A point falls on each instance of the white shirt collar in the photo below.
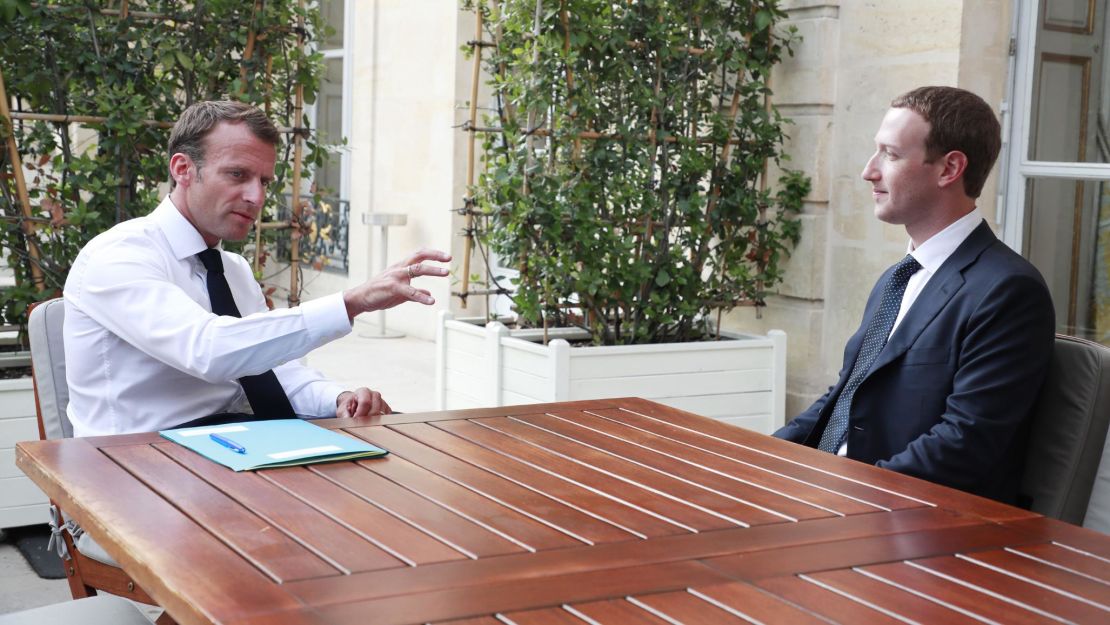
(182, 236)
(933, 252)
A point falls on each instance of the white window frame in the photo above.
(1017, 166)
(348, 75)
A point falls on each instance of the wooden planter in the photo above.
(741, 381)
(21, 502)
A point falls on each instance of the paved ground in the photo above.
(402, 369)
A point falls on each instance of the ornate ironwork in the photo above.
(324, 233)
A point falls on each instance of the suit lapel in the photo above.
(935, 296)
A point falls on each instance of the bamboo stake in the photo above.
(294, 240)
(78, 119)
(122, 12)
(248, 52)
(570, 77)
(593, 134)
(475, 75)
(530, 141)
(93, 119)
(21, 189)
(510, 114)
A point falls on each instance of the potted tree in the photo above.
(626, 181)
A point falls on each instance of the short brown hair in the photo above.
(958, 120)
(187, 136)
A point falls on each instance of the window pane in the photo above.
(1071, 90)
(329, 122)
(332, 12)
(1067, 237)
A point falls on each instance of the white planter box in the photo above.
(21, 502)
(740, 381)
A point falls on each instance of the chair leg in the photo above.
(77, 588)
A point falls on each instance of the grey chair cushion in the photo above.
(1098, 510)
(44, 329)
(1069, 430)
(99, 610)
(91, 549)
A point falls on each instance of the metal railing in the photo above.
(325, 236)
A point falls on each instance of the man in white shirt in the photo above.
(144, 351)
(940, 379)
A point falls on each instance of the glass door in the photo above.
(1057, 197)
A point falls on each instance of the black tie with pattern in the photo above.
(264, 392)
(873, 341)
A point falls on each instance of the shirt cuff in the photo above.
(328, 396)
(326, 318)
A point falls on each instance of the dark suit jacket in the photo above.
(950, 396)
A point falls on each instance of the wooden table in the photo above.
(609, 511)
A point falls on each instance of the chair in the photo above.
(102, 610)
(1067, 466)
(88, 567)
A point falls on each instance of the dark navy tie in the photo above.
(878, 330)
(264, 392)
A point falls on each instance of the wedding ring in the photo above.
(411, 273)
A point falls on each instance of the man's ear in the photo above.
(954, 164)
(182, 169)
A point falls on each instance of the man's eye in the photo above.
(266, 182)
(235, 173)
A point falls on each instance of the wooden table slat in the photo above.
(492, 598)
(377, 526)
(520, 528)
(267, 547)
(687, 609)
(558, 488)
(935, 535)
(883, 596)
(742, 473)
(756, 605)
(748, 452)
(1020, 592)
(723, 511)
(823, 602)
(1044, 574)
(646, 500)
(546, 616)
(536, 505)
(440, 523)
(311, 528)
(873, 476)
(1066, 534)
(615, 612)
(940, 589)
(652, 452)
(1067, 558)
(478, 620)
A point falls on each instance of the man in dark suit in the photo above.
(941, 377)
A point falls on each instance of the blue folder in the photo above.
(271, 443)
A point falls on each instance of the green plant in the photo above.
(627, 182)
(68, 57)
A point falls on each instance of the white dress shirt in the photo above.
(145, 352)
(930, 255)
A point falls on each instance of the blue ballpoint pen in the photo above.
(227, 442)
